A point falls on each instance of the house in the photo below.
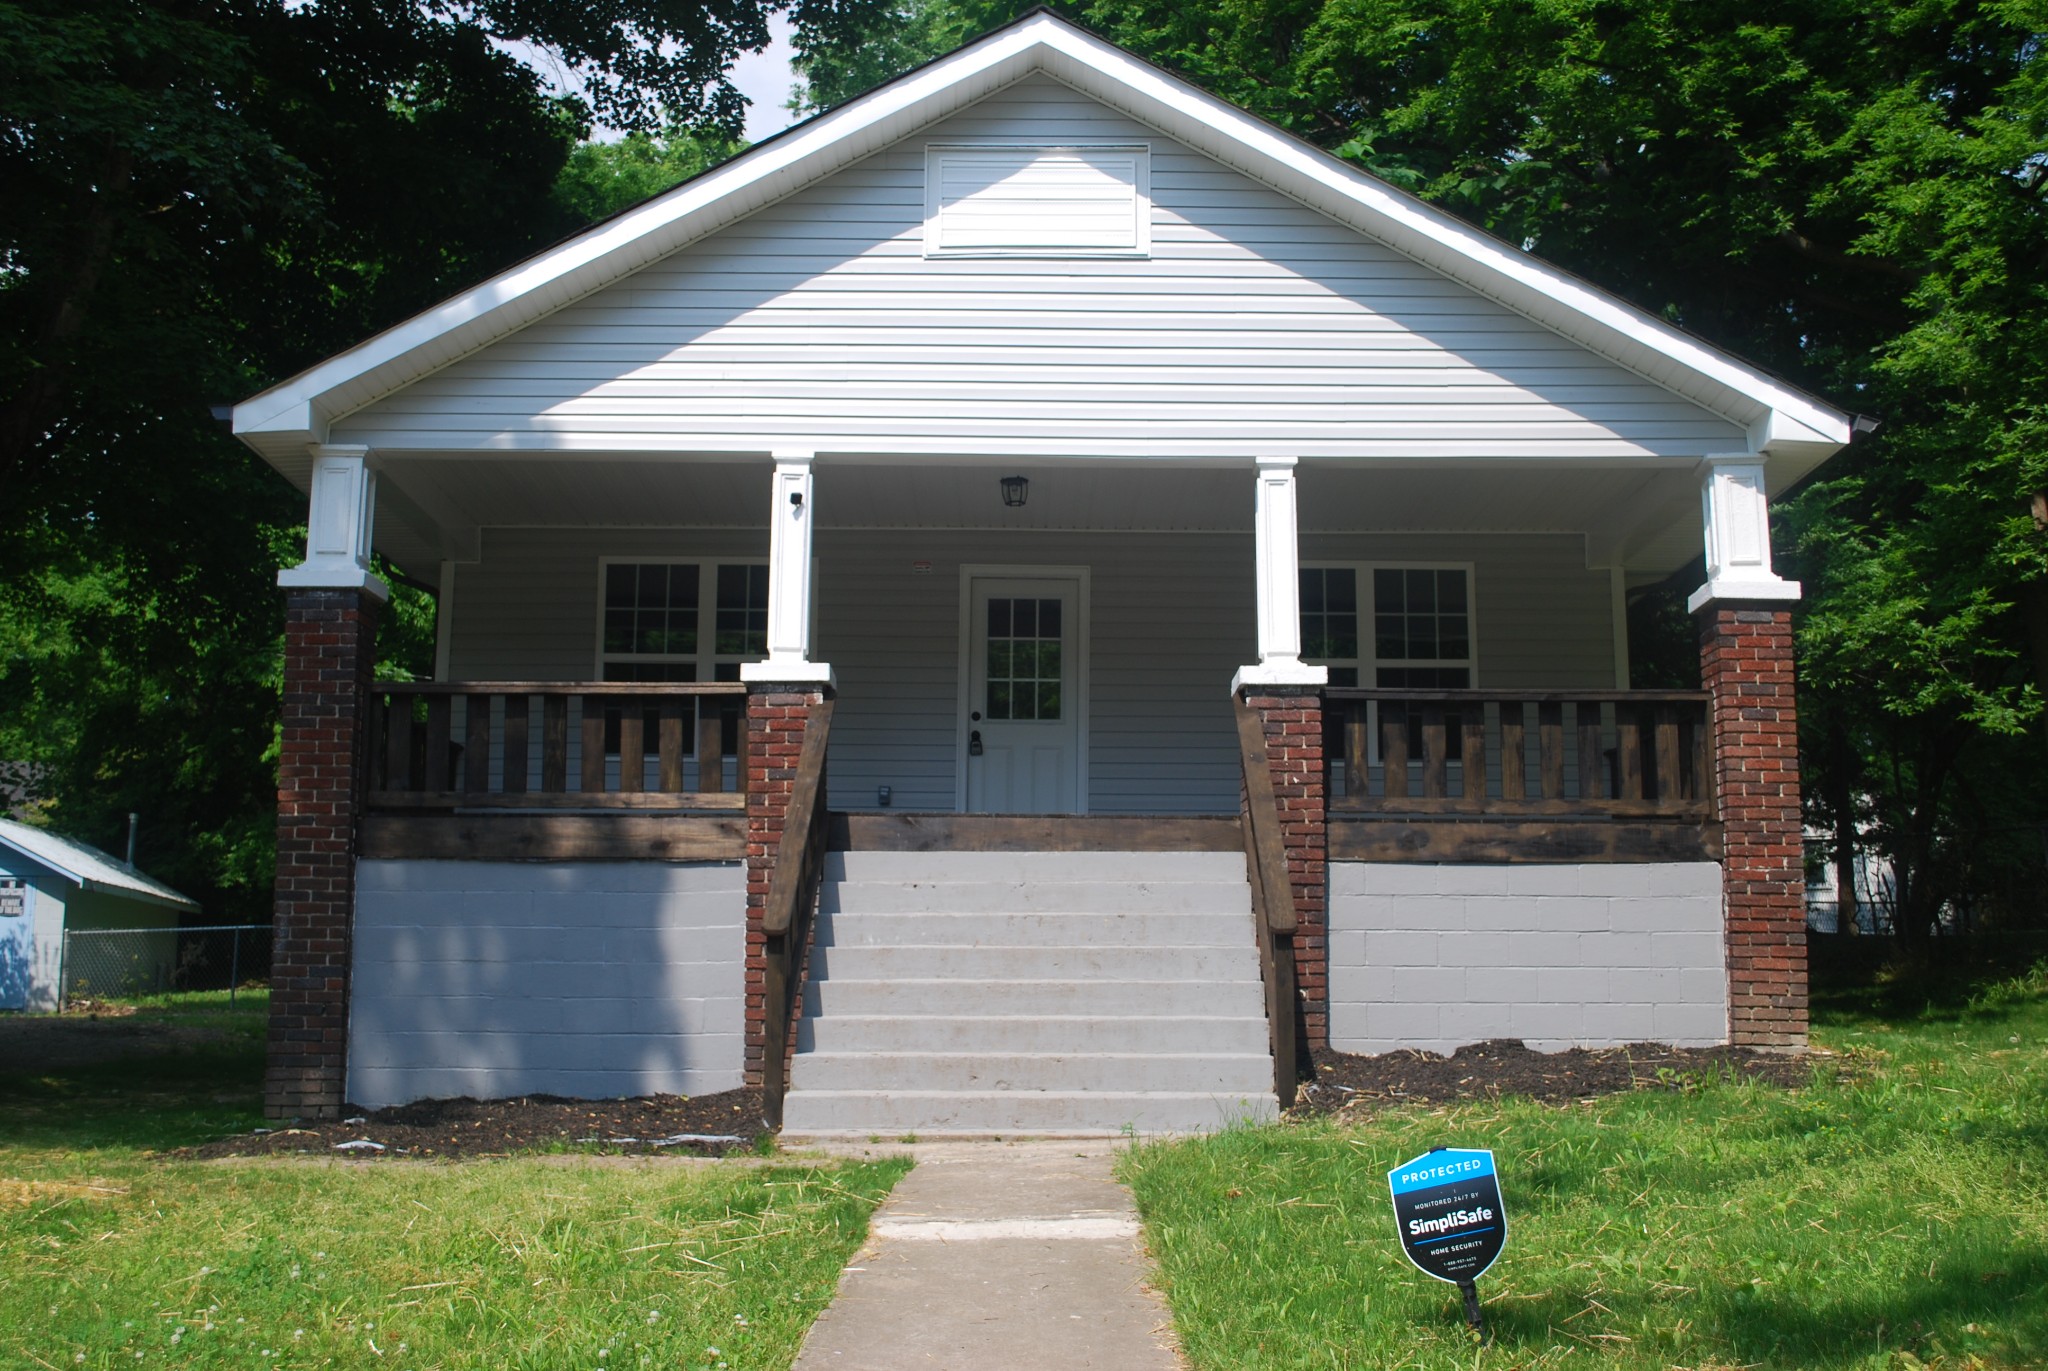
(51, 887)
(1197, 566)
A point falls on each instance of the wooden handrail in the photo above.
(1273, 915)
(792, 900)
(1339, 694)
(561, 688)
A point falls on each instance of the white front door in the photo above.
(1025, 685)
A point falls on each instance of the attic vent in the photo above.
(985, 200)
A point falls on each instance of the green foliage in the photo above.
(601, 179)
(201, 199)
(1888, 1216)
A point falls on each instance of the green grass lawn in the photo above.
(1894, 1218)
(111, 1256)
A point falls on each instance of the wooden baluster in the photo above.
(710, 748)
(1472, 757)
(1357, 768)
(593, 743)
(1550, 748)
(436, 760)
(373, 748)
(398, 742)
(515, 744)
(741, 760)
(1435, 762)
(1669, 789)
(1514, 777)
(670, 743)
(1592, 760)
(1628, 737)
(554, 744)
(1703, 761)
(632, 746)
(476, 744)
(1394, 750)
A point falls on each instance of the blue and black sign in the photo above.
(1447, 1206)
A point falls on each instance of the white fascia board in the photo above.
(1566, 305)
(131, 892)
(305, 404)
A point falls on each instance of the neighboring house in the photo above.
(1052, 454)
(50, 886)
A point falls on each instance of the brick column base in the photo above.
(777, 716)
(329, 654)
(1746, 667)
(1293, 722)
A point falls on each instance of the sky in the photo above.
(763, 77)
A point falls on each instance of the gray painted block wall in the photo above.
(1435, 957)
(592, 980)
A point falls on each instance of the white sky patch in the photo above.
(764, 77)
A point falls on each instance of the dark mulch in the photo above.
(702, 1125)
(1489, 1070)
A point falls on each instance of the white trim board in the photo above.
(1796, 429)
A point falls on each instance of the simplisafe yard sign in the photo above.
(1452, 1223)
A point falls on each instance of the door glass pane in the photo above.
(1023, 658)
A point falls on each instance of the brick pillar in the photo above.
(1293, 721)
(330, 650)
(777, 716)
(1746, 667)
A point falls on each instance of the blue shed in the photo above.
(50, 885)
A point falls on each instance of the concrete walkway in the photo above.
(994, 1256)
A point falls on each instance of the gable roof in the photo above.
(1797, 430)
(87, 867)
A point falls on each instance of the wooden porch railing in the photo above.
(792, 902)
(1519, 753)
(1272, 902)
(474, 745)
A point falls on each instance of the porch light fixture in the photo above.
(1015, 489)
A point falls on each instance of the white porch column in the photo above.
(1276, 553)
(789, 578)
(338, 524)
(1737, 523)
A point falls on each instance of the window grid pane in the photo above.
(1023, 666)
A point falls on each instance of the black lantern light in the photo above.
(1015, 489)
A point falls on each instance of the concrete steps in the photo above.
(1070, 994)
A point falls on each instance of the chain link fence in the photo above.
(128, 963)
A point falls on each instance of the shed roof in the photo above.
(88, 867)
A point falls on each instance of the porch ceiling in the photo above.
(1643, 516)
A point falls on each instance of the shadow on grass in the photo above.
(1760, 1326)
(150, 1081)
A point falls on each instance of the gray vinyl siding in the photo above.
(1256, 325)
(1172, 617)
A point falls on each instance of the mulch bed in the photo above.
(664, 1125)
(1486, 1071)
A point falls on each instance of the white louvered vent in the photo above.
(1011, 201)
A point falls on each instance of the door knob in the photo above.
(974, 743)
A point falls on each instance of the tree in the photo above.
(203, 196)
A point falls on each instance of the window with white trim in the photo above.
(1008, 200)
(680, 621)
(1393, 627)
